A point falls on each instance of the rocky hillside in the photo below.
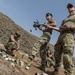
(7, 66)
(17, 65)
(8, 27)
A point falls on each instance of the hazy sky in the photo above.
(25, 12)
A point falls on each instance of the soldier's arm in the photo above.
(53, 24)
(65, 28)
(13, 39)
(68, 28)
(55, 28)
(61, 29)
(72, 28)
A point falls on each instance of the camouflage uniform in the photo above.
(50, 60)
(47, 61)
(42, 43)
(10, 46)
(65, 45)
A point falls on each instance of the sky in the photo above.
(25, 12)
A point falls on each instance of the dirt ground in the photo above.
(7, 69)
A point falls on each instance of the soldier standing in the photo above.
(65, 43)
(45, 38)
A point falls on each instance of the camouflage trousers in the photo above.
(48, 62)
(67, 58)
(11, 46)
(41, 44)
(45, 60)
(40, 47)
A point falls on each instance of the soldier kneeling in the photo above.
(47, 59)
(13, 44)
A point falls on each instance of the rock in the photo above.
(18, 61)
(27, 67)
(21, 63)
(13, 60)
(2, 46)
(9, 58)
(37, 74)
(13, 65)
(26, 55)
(37, 59)
(44, 73)
(6, 58)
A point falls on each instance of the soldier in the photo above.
(45, 38)
(50, 59)
(13, 43)
(65, 43)
(47, 58)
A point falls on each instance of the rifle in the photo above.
(37, 24)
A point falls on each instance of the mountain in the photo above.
(8, 27)
(17, 65)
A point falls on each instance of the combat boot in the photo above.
(43, 68)
(10, 53)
